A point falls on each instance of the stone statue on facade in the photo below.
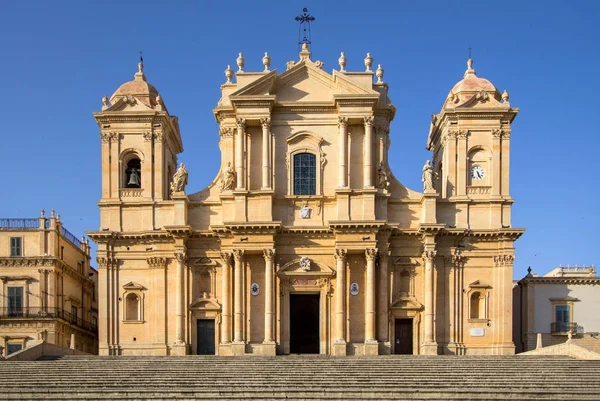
(304, 263)
(228, 178)
(180, 179)
(427, 177)
(382, 178)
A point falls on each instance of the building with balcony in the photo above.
(48, 288)
(562, 303)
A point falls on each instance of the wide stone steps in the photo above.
(301, 378)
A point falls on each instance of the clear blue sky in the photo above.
(60, 57)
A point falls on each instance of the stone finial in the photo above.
(266, 60)
(379, 74)
(228, 74)
(470, 70)
(240, 63)
(539, 344)
(52, 213)
(141, 67)
(43, 213)
(505, 96)
(342, 61)
(58, 217)
(305, 53)
(368, 62)
(104, 102)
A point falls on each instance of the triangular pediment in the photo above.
(305, 266)
(132, 285)
(304, 82)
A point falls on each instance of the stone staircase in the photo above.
(301, 378)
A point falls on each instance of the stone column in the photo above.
(43, 291)
(339, 346)
(179, 300)
(343, 153)
(239, 153)
(371, 346)
(383, 297)
(115, 164)
(449, 164)
(462, 163)
(496, 176)
(505, 163)
(368, 153)
(226, 299)
(266, 167)
(269, 255)
(429, 345)
(106, 167)
(238, 330)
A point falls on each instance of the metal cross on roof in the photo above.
(304, 30)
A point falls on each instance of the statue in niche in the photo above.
(304, 263)
(427, 177)
(305, 212)
(382, 179)
(228, 178)
(180, 179)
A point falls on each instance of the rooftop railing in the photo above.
(20, 223)
(70, 237)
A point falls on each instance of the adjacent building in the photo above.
(560, 304)
(305, 242)
(48, 289)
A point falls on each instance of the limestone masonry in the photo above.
(305, 242)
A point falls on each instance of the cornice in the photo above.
(143, 237)
(357, 224)
(28, 261)
(561, 280)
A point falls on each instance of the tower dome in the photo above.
(139, 87)
(468, 87)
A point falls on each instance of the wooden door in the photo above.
(403, 340)
(205, 333)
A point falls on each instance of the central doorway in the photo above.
(205, 332)
(403, 343)
(304, 323)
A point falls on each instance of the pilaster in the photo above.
(371, 344)
(269, 343)
(339, 344)
(239, 344)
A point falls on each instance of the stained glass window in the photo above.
(305, 174)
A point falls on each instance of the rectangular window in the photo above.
(15, 246)
(563, 318)
(305, 174)
(15, 301)
(12, 348)
(74, 314)
(80, 267)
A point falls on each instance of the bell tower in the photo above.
(140, 144)
(470, 141)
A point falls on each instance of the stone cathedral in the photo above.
(305, 242)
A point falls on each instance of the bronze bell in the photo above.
(134, 179)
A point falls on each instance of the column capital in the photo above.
(342, 122)
(382, 128)
(461, 134)
(238, 255)
(265, 122)
(180, 256)
(504, 260)
(227, 258)
(371, 254)
(505, 133)
(368, 121)
(340, 254)
(241, 123)
(156, 262)
(429, 255)
(496, 133)
(269, 254)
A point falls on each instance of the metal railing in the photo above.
(70, 237)
(20, 223)
(561, 327)
(53, 313)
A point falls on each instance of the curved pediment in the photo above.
(305, 266)
(407, 304)
(205, 304)
(132, 285)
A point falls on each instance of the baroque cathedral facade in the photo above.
(305, 242)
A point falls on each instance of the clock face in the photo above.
(477, 172)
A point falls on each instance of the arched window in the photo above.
(132, 308)
(133, 173)
(476, 304)
(305, 174)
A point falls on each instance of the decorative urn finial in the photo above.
(379, 74)
(104, 102)
(240, 63)
(368, 62)
(342, 62)
(228, 74)
(43, 213)
(141, 67)
(505, 96)
(266, 60)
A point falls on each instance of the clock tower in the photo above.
(470, 141)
